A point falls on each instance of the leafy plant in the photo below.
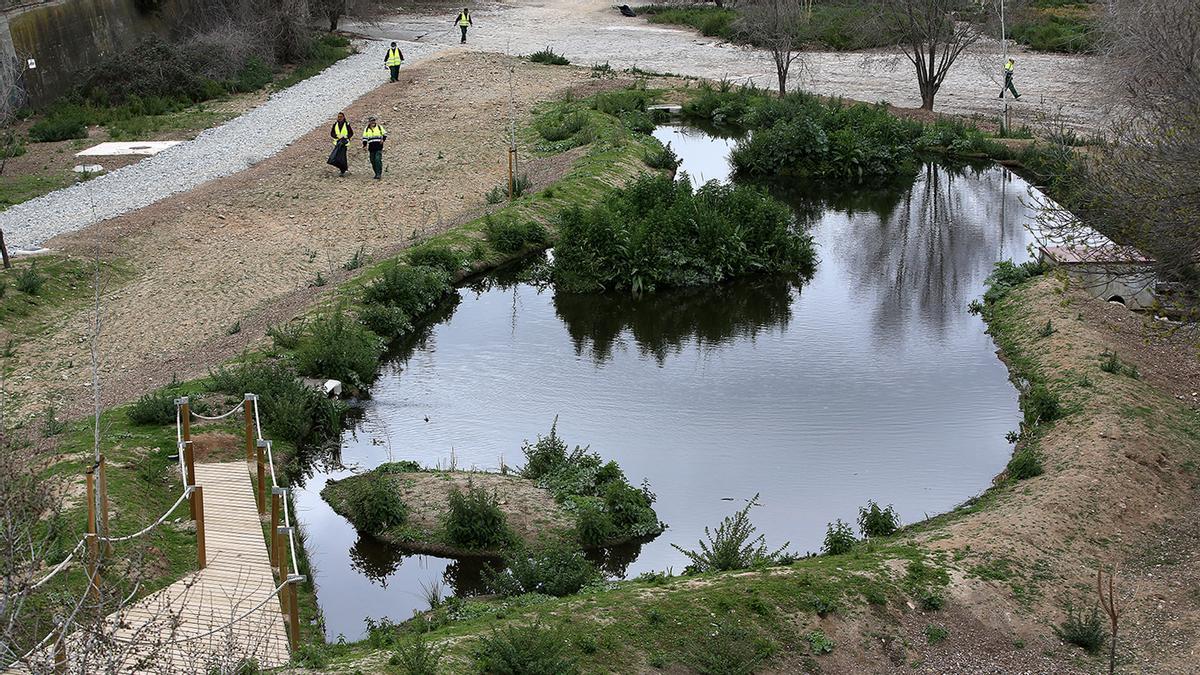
(291, 411)
(523, 650)
(156, 408)
(874, 521)
(556, 570)
(733, 546)
(438, 257)
(357, 260)
(839, 538)
(234, 329)
(475, 521)
(287, 335)
(511, 236)
(1040, 405)
(730, 649)
(935, 634)
(339, 348)
(51, 425)
(1083, 629)
(416, 657)
(1025, 463)
(663, 158)
(548, 57)
(1047, 330)
(818, 642)
(1111, 363)
(374, 506)
(495, 195)
(29, 280)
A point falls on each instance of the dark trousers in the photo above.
(377, 161)
(1008, 86)
(464, 32)
(395, 72)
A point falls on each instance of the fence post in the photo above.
(248, 413)
(261, 491)
(93, 545)
(185, 417)
(293, 614)
(103, 486)
(198, 504)
(189, 460)
(275, 526)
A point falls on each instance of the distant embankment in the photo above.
(64, 36)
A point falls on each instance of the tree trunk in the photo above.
(783, 75)
(926, 99)
(4, 252)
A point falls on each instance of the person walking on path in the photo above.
(341, 132)
(464, 20)
(1009, 66)
(372, 139)
(394, 58)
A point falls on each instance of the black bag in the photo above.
(626, 11)
(337, 158)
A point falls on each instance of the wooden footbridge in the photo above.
(240, 604)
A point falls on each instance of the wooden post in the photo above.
(293, 616)
(248, 413)
(261, 492)
(103, 485)
(185, 418)
(189, 460)
(93, 544)
(198, 504)
(511, 179)
(4, 252)
(60, 652)
(275, 504)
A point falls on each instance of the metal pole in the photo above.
(189, 460)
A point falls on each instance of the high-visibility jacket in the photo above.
(373, 135)
(341, 131)
(1008, 67)
(394, 57)
(464, 19)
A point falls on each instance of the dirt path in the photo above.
(247, 249)
(592, 31)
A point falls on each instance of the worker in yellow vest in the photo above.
(1009, 66)
(464, 20)
(341, 132)
(393, 60)
(372, 139)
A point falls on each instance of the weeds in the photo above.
(51, 425)
(1039, 405)
(557, 570)
(839, 538)
(935, 634)
(733, 546)
(475, 521)
(438, 257)
(663, 158)
(523, 650)
(286, 336)
(731, 649)
(1047, 330)
(818, 642)
(548, 57)
(291, 411)
(234, 329)
(29, 281)
(402, 293)
(416, 657)
(374, 506)
(336, 347)
(1082, 629)
(357, 260)
(511, 236)
(876, 522)
(496, 195)
(156, 408)
(1111, 363)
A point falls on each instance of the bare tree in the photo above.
(930, 36)
(775, 25)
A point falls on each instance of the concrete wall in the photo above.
(64, 36)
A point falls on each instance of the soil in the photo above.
(530, 511)
(247, 249)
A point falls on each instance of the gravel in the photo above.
(215, 153)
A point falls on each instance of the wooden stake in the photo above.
(93, 544)
(262, 482)
(185, 417)
(248, 413)
(189, 460)
(275, 504)
(198, 504)
(293, 616)
(4, 252)
(60, 652)
(103, 485)
(512, 185)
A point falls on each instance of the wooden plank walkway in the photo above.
(237, 579)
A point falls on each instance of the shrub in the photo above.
(733, 546)
(731, 649)
(1082, 629)
(287, 335)
(437, 257)
(290, 410)
(1040, 405)
(417, 657)
(29, 280)
(51, 425)
(413, 289)
(548, 57)
(338, 348)
(156, 408)
(510, 236)
(626, 505)
(547, 454)
(663, 158)
(876, 522)
(63, 123)
(658, 233)
(475, 520)
(496, 195)
(1006, 276)
(385, 321)
(594, 526)
(839, 538)
(615, 103)
(935, 634)
(374, 506)
(557, 570)
(1111, 363)
(523, 650)
(565, 124)
(932, 600)
(1025, 463)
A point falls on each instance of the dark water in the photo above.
(871, 381)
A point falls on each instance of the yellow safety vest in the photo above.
(1008, 66)
(394, 58)
(342, 129)
(464, 19)
(373, 132)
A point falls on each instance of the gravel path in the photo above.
(215, 153)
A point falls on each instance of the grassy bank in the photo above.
(839, 25)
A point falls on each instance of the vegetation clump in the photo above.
(659, 233)
(374, 507)
(508, 235)
(548, 57)
(733, 546)
(154, 408)
(523, 650)
(1083, 629)
(839, 538)
(290, 410)
(335, 346)
(874, 521)
(392, 303)
(556, 570)
(475, 521)
(606, 506)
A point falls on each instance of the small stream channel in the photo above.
(870, 381)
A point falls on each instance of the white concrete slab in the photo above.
(127, 148)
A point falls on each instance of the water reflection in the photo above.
(665, 323)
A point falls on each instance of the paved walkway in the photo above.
(237, 579)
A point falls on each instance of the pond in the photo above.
(869, 381)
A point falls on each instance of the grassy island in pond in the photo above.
(561, 496)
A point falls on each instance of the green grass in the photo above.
(326, 51)
(66, 281)
(17, 188)
(836, 24)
